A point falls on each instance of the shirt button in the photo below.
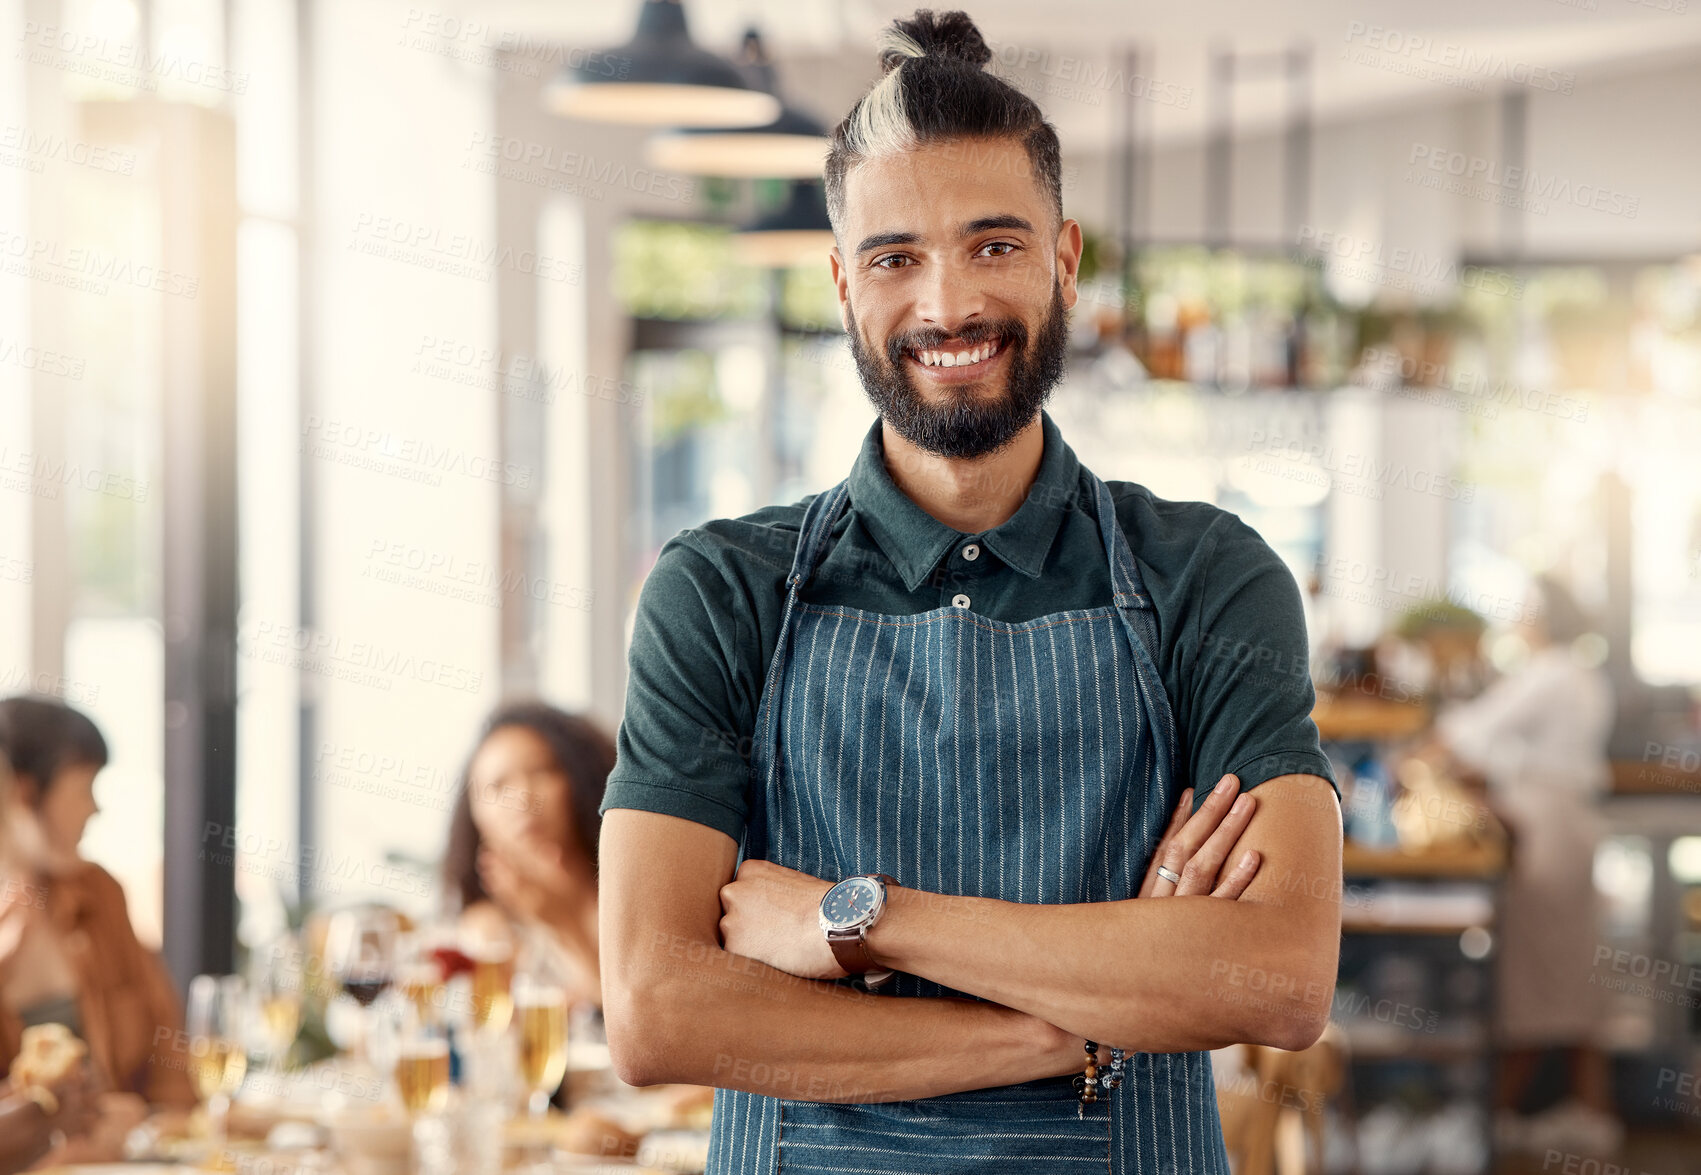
(959, 601)
(971, 552)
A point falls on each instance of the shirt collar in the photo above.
(915, 541)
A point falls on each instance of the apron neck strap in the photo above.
(1125, 579)
(817, 527)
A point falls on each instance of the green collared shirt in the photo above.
(1231, 629)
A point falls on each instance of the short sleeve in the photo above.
(1246, 674)
(684, 741)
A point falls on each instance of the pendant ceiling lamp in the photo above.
(798, 233)
(793, 146)
(659, 78)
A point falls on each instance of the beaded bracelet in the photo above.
(1088, 1083)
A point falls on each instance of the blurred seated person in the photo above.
(522, 850)
(1537, 740)
(31, 1118)
(77, 960)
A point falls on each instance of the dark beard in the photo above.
(966, 424)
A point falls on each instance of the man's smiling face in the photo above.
(955, 290)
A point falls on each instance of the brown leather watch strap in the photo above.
(853, 956)
(852, 952)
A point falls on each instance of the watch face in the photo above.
(849, 902)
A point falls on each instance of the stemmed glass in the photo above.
(492, 982)
(422, 1071)
(540, 1011)
(360, 950)
(218, 1060)
(276, 985)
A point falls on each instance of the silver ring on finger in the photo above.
(1169, 875)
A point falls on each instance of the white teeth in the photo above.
(956, 359)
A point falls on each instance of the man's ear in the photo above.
(1069, 248)
(841, 284)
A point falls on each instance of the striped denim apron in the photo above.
(1027, 762)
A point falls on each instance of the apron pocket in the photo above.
(1031, 1127)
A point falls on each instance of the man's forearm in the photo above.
(706, 1016)
(1159, 976)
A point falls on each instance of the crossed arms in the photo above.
(718, 980)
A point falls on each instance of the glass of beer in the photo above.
(492, 977)
(218, 1058)
(540, 1011)
(422, 1073)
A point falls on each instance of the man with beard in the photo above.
(932, 841)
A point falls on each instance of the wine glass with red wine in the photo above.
(360, 950)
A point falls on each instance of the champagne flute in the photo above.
(277, 988)
(540, 1008)
(422, 1079)
(217, 1059)
(492, 977)
(422, 1072)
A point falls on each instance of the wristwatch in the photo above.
(847, 911)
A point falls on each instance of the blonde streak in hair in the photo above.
(894, 40)
(881, 125)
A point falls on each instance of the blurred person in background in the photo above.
(76, 1118)
(77, 960)
(522, 849)
(1537, 738)
(29, 1122)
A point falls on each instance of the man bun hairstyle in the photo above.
(934, 88)
(948, 34)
